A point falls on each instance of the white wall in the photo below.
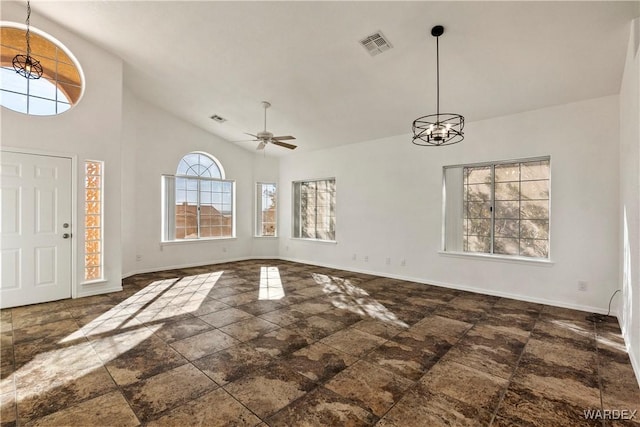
(90, 130)
(128, 168)
(389, 205)
(159, 141)
(629, 306)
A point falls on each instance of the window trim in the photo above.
(484, 255)
(293, 210)
(498, 257)
(258, 211)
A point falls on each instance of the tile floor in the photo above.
(274, 343)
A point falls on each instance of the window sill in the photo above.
(266, 237)
(500, 258)
(182, 242)
(314, 240)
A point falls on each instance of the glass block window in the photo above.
(93, 228)
(498, 208)
(314, 209)
(266, 210)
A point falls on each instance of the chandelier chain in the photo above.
(28, 34)
(438, 78)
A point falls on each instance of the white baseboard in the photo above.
(635, 361)
(634, 355)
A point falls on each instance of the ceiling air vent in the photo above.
(217, 118)
(376, 43)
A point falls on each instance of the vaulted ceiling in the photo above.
(196, 59)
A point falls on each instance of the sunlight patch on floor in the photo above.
(571, 326)
(112, 333)
(160, 300)
(347, 296)
(52, 369)
(615, 345)
(270, 284)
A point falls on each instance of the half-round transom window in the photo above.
(198, 164)
(61, 85)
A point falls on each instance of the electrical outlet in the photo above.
(224, 249)
(403, 263)
(354, 257)
(138, 257)
(366, 258)
(387, 261)
(286, 248)
(582, 286)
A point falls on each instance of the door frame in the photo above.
(74, 203)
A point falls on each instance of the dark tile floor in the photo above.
(282, 344)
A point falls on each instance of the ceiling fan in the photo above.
(265, 137)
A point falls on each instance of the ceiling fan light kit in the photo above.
(265, 137)
(438, 129)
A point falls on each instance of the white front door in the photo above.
(35, 229)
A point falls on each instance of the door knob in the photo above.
(65, 225)
(66, 235)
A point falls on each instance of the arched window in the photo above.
(199, 202)
(62, 82)
(199, 164)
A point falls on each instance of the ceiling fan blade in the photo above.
(261, 145)
(250, 134)
(284, 144)
(283, 138)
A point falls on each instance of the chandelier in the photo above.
(26, 65)
(440, 128)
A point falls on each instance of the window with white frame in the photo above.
(499, 208)
(266, 210)
(314, 206)
(198, 201)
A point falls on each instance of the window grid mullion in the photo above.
(299, 209)
(519, 207)
(259, 216)
(493, 208)
(466, 189)
(315, 211)
(56, 85)
(198, 208)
